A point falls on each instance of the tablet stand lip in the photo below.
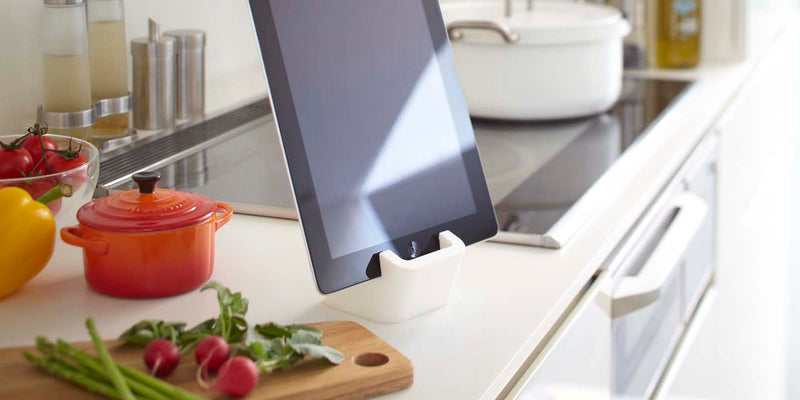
(406, 288)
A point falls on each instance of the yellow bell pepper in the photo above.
(27, 238)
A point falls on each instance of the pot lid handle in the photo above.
(146, 181)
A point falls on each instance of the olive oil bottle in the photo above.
(677, 33)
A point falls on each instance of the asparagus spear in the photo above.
(78, 369)
(48, 349)
(172, 391)
(134, 376)
(96, 366)
(74, 377)
(108, 362)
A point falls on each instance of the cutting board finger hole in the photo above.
(371, 359)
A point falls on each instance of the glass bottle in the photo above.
(65, 52)
(678, 33)
(635, 43)
(109, 62)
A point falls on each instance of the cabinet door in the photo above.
(575, 364)
(740, 351)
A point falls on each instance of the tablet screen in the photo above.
(373, 113)
(375, 129)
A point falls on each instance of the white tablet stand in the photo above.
(405, 289)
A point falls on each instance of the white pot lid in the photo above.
(550, 22)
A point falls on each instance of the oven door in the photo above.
(648, 296)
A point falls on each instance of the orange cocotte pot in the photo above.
(149, 242)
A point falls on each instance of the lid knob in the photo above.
(146, 181)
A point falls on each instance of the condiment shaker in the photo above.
(65, 52)
(154, 83)
(191, 72)
(109, 62)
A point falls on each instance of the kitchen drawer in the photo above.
(643, 341)
(700, 255)
(648, 299)
(690, 351)
(574, 364)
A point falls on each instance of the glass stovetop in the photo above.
(536, 171)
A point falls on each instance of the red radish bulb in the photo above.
(211, 353)
(161, 356)
(237, 377)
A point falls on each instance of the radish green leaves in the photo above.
(270, 345)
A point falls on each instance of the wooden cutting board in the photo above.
(371, 368)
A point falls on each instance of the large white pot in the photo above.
(561, 60)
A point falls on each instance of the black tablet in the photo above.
(375, 130)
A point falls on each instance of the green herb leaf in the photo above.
(231, 324)
(238, 330)
(143, 332)
(306, 329)
(279, 346)
(318, 351)
(307, 343)
(273, 330)
(254, 351)
(271, 346)
(289, 357)
(234, 302)
(201, 330)
(304, 337)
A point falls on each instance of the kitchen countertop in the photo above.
(506, 298)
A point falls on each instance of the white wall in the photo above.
(20, 70)
(233, 65)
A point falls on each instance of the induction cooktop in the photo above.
(545, 178)
(548, 178)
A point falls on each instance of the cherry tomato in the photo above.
(15, 163)
(41, 168)
(60, 163)
(34, 147)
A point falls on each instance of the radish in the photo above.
(161, 356)
(237, 377)
(211, 353)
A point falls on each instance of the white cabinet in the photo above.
(740, 351)
(736, 345)
(661, 276)
(575, 362)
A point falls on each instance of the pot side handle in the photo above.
(227, 213)
(73, 235)
(455, 30)
(624, 28)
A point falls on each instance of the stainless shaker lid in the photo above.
(154, 85)
(63, 2)
(154, 45)
(188, 39)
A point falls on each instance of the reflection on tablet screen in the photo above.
(375, 80)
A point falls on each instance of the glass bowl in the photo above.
(83, 180)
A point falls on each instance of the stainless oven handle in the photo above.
(635, 292)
